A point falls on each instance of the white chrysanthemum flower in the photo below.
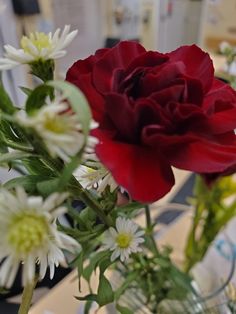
(227, 48)
(59, 129)
(224, 45)
(123, 240)
(95, 176)
(29, 235)
(37, 46)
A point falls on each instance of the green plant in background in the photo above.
(214, 207)
(229, 52)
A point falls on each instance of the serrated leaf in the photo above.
(123, 310)
(77, 101)
(105, 294)
(37, 98)
(6, 104)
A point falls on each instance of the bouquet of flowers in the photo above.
(108, 136)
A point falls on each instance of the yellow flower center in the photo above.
(56, 124)
(27, 232)
(39, 40)
(123, 240)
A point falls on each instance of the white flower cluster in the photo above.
(37, 46)
(29, 235)
(95, 175)
(59, 129)
(124, 239)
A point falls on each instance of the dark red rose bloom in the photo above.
(156, 111)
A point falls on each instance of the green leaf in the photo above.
(87, 307)
(43, 69)
(27, 91)
(182, 280)
(48, 187)
(105, 263)
(37, 98)
(6, 104)
(8, 132)
(105, 294)
(89, 297)
(129, 208)
(123, 310)
(28, 182)
(94, 260)
(80, 267)
(80, 262)
(5, 158)
(69, 169)
(3, 147)
(35, 167)
(77, 101)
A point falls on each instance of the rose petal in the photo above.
(219, 91)
(198, 64)
(203, 157)
(140, 170)
(119, 56)
(120, 112)
(222, 122)
(80, 75)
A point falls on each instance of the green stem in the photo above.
(91, 202)
(27, 297)
(19, 146)
(149, 231)
(148, 217)
(56, 166)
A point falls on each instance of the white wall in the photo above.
(8, 35)
(179, 23)
(87, 17)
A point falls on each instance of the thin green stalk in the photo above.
(27, 297)
(149, 229)
(148, 217)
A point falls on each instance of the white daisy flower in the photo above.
(29, 235)
(37, 46)
(59, 129)
(95, 176)
(123, 240)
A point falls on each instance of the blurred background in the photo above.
(161, 25)
(158, 24)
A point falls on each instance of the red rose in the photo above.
(156, 111)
